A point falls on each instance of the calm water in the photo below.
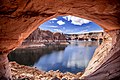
(66, 58)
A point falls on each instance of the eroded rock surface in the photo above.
(21, 72)
(45, 37)
(94, 36)
(40, 35)
(105, 62)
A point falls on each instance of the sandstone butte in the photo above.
(45, 37)
(19, 18)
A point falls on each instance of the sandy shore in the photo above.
(21, 72)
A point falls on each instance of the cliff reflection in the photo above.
(29, 56)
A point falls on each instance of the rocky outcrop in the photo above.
(45, 37)
(21, 72)
(105, 62)
(39, 35)
(19, 18)
(94, 36)
(59, 36)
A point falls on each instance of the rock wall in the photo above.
(86, 36)
(5, 69)
(45, 36)
(105, 62)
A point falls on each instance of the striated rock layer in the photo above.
(45, 37)
(105, 63)
(86, 36)
(19, 18)
(42, 35)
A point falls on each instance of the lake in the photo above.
(65, 58)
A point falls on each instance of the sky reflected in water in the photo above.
(73, 59)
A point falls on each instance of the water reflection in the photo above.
(72, 58)
(30, 56)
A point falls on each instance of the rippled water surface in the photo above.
(66, 58)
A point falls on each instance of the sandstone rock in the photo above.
(94, 36)
(44, 37)
(25, 72)
(105, 62)
(64, 79)
(59, 36)
(55, 78)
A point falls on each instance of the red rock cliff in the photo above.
(43, 36)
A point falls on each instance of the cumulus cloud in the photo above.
(76, 20)
(68, 18)
(60, 22)
(54, 19)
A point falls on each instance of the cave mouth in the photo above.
(65, 43)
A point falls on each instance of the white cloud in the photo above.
(54, 19)
(60, 22)
(86, 31)
(76, 20)
(68, 18)
(54, 26)
(57, 30)
(97, 31)
(65, 17)
(51, 21)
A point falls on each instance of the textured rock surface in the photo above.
(105, 63)
(19, 18)
(86, 36)
(21, 72)
(39, 35)
(4, 68)
(45, 37)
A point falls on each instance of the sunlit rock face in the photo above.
(59, 36)
(86, 36)
(19, 18)
(39, 35)
(44, 36)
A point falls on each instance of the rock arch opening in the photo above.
(86, 36)
(41, 38)
(48, 38)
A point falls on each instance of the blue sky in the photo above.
(70, 25)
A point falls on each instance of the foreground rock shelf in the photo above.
(21, 72)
